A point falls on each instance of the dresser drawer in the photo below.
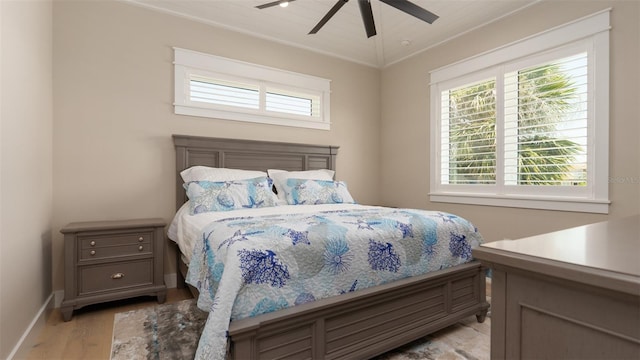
(113, 245)
(105, 277)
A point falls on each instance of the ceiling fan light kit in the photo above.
(366, 12)
(282, 3)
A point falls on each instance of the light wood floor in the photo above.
(88, 335)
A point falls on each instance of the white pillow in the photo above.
(313, 192)
(280, 177)
(206, 173)
(208, 196)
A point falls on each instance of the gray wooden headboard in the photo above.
(248, 155)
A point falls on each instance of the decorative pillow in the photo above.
(206, 173)
(280, 178)
(312, 192)
(208, 196)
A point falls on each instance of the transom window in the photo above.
(526, 125)
(216, 87)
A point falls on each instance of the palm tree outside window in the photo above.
(544, 127)
(527, 124)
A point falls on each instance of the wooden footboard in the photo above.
(365, 323)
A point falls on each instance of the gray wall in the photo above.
(26, 173)
(113, 88)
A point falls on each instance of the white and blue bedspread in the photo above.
(251, 265)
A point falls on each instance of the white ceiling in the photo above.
(344, 35)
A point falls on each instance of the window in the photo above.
(526, 125)
(211, 86)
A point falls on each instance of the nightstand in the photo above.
(112, 260)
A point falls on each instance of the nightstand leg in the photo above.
(162, 297)
(67, 312)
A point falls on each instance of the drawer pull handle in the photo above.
(117, 276)
(92, 252)
(92, 243)
(141, 238)
(140, 248)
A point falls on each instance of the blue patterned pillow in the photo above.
(312, 192)
(208, 196)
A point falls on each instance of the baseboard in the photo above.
(59, 296)
(30, 336)
(171, 280)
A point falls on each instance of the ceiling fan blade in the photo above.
(367, 17)
(273, 3)
(328, 16)
(412, 9)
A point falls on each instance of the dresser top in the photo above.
(605, 254)
(611, 245)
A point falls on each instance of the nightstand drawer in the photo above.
(95, 278)
(113, 245)
(94, 241)
(114, 251)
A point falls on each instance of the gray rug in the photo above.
(167, 331)
(171, 331)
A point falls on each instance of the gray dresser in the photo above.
(112, 260)
(570, 294)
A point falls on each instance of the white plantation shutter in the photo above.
(468, 134)
(221, 88)
(289, 104)
(546, 127)
(226, 93)
(293, 102)
(237, 94)
(527, 124)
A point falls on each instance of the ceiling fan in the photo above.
(365, 10)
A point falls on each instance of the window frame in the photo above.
(590, 34)
(188, 64)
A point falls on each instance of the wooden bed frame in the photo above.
(355, 325)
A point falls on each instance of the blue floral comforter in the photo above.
(247, 266)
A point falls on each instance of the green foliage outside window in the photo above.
(545, 95)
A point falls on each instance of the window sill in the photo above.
(254, 118)
(538, 202)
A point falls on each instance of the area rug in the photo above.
(167, 331)
(171, 331)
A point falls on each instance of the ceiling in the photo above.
(399, 35)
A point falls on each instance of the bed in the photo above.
(353, 324)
